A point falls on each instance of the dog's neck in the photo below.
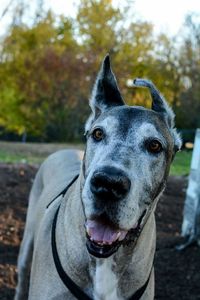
(111, 278)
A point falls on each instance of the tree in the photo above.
(189, 108)
(33, 75)
(48, 68)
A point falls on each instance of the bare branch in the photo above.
(6, 9)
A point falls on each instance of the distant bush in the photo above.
(187, 135)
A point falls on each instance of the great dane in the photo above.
(90, 229)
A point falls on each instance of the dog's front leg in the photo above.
(24, 265)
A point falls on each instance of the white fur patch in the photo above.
(105, 281)
(148, 130)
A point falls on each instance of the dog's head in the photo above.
(128, 154)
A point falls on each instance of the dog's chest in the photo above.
(105, 281)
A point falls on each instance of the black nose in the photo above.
(110, 183)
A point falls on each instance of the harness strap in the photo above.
(139, 293)
(64, 191)
(72, 286)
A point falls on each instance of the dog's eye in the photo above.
(154, 146)
(98, 134)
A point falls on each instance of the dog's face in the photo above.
(127, 159)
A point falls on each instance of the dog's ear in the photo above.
(160, 105)
(105, 92)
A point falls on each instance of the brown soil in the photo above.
(177, 273)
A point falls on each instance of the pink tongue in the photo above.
(104, 233)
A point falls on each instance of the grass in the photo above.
(36, 153)
(32, 153)
(6, 157)
(181, 163)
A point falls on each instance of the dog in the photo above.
(90, 229)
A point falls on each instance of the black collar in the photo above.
(72, 286)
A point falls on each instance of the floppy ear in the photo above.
(105, 92)
(160, 105)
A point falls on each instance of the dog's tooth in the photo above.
(122, 235)
(88, 230)
(118, 235)
(100, 243)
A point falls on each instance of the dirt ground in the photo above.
(177, 274)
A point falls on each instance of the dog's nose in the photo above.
(110, 183)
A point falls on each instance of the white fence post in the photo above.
(191, 215)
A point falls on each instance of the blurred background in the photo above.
(50, 53)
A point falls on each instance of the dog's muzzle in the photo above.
(108, 184)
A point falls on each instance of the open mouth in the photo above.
(103, 237)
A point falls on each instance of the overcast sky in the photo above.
(165, 15)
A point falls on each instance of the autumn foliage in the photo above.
(47, 69)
